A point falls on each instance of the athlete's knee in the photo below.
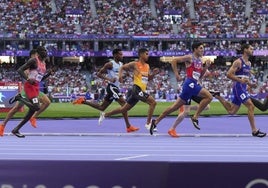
(210, 98)
(36, 105)
(184, 114)
(153, 103)
(47, 103)
(251, 108)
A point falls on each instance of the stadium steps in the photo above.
(173, 80)
(93, 8)
(152, 7)
(53, 6)
(190, 6)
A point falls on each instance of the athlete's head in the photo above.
(33, 53)
(117, 54)
(42, 52)
(143, 54)
(198, 48)
(247, 49)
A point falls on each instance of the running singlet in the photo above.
(195, 69)
(113, 73)
(37, 74)
(141, 75)
(243, 72)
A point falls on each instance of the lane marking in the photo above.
(132, 157)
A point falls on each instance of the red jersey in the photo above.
(195, 69)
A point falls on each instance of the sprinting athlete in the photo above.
(239, 72)
(109, 72)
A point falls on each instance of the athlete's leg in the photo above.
(45, 102)
(26, 118)
(263, 106)
(176, 105)
(206, 99)
(10, 114)
(32, 92)
(130, 128)
(182, 115)
(122, 102)
(229, 107)
(98, 106)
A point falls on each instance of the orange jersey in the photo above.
(141, 75)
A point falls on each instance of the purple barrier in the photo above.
(109, 174)
(218, 175)
(82, 174)
(108, 53)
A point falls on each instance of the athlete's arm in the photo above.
(103, 72)
(231, 72)
(26, 66)
(126, 67)
(176, 60)
(205, 68)
(47, 75)
(155, 72)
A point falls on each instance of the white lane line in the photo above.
(132, 157)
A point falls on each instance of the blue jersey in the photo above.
(243, 72)
(240, 92)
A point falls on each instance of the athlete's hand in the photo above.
(113, 80)
(245, 81)
(121, 79)
(178, 78)
(207, 63)
(156, 71)
(253, 85)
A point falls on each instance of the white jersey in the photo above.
(113, 73)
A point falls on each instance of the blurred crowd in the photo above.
(219, 19)
(193, 18)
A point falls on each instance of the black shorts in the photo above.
(136, 95)
(196, 99)
(113, 93)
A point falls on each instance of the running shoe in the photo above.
(102, 117)
(33, 122)
(147, 126)
(132, 128)
(258, 133)
(2, 129)
(195, 123)
(172, 133)
(17, 134)
(152, 127)
(80, 100)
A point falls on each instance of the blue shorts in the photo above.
(190, 88)
(241, 94)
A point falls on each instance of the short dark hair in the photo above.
(244, 46)
(142, 50)
(116, 51)
(42, 52)
(195, 45)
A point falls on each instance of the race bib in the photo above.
(196, 75)
(35, 75)
(144, 79)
